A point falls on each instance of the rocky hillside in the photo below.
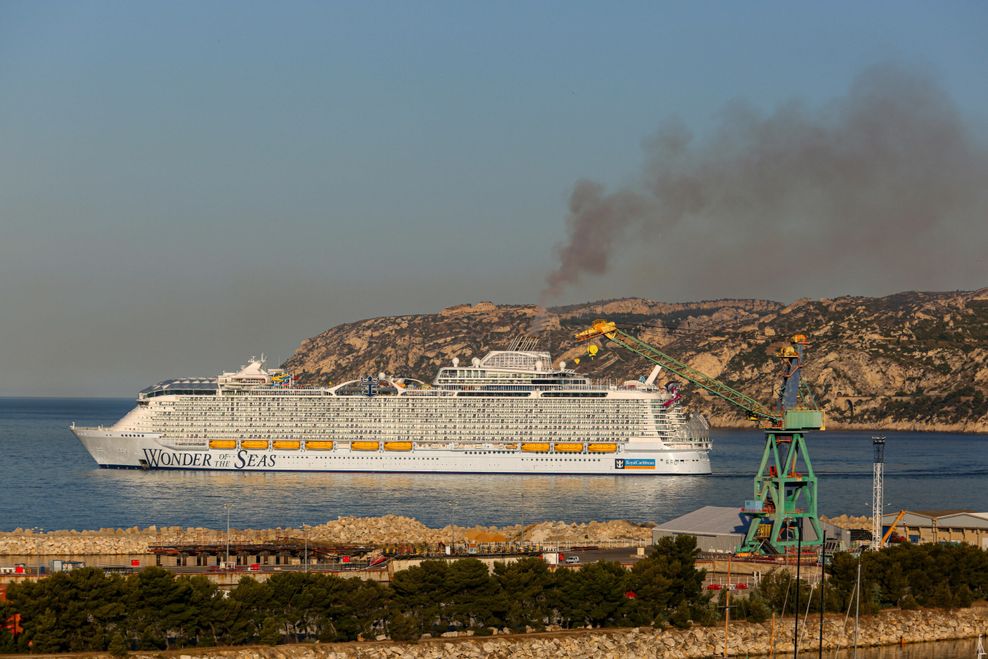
(905, 361)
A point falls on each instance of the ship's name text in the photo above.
(247, 460)
(156, 457)
(244, 460)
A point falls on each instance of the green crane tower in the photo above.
(785, 492)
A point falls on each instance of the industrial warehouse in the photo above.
(722, 529)
(918, 527)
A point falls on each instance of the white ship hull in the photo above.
(508, 413)
(125, 450)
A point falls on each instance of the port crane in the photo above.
(785, 492)
(891, 530)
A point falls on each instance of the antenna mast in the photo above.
(877, 491)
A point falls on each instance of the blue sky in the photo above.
(184, 184)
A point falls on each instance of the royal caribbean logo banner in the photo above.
(634, 463)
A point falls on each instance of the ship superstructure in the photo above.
(510, 412)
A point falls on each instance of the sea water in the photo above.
(47, 480)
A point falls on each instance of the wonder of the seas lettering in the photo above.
(247, 460)
(157, 457)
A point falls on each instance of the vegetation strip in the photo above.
(86, 610)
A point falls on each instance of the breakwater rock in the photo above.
(887, 628)
(373, 531)
(849, 521)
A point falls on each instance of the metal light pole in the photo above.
(799, 556)
(38, 530)
(823, 581)
(228, 506)
(857, 606)
(727, 604)
(452, 529)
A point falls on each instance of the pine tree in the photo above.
(118, 646)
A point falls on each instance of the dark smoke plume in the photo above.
(883, 188)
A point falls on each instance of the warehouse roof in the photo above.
(724, 520)
(947, 519)
(709, 520)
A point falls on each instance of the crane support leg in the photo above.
(785, 501)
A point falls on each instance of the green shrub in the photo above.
(681, 618)
(908, 603)
(118, 646)
(403, 628)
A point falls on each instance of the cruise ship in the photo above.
(511, 412)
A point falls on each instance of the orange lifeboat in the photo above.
(319, 445)
(254, 444)
(222, 443)
(286, 444)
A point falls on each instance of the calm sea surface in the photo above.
(48, 480)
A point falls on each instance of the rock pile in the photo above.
(375, 531)
(112, 541)
(890, 627)
(849, 521)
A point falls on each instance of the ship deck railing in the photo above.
(445, 389)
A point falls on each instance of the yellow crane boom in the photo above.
(610, 331)
(895, 523)
(785, 492)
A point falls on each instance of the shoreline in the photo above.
(888, 628)
(374, 531)
(381, 531)
(888, 426)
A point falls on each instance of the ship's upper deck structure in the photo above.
(520, 368)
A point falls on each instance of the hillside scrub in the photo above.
(909, 361)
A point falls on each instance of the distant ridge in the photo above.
(909, 361)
